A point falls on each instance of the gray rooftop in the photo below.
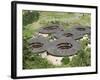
(82, 29)
(63, 47)
(37, 44)
(68, 33)
(51, 29)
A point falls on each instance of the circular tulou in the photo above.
(37, 44)
(50, 29)
(62, 47)
(66, 40)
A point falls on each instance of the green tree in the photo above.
(29, 17)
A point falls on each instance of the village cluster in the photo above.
(53, 42)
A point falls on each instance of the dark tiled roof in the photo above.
(37, 44)
(51, 29)
(63, 47)
(81, 29)
(68, 33)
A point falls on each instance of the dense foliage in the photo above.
(82, 59)
(29, 17)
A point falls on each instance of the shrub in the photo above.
(35, 61)
(83, 58)
(65, 60)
